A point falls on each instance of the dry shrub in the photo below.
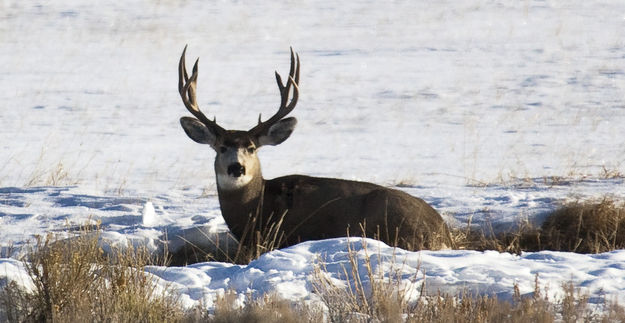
(343, 305)
(471, 308)
(581, 226)
(75, 281)
(524, 237)
(585, 227)
(385, 298)
(13, 301)
(269, 309)
(258, 237)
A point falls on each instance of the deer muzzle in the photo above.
(236, 170)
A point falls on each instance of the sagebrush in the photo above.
(76, 281)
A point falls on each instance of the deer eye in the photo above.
(251, 150)
(223, 149)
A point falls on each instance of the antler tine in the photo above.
(187, 86)
(293, 81)
(183, 77)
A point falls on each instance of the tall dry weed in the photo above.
(75, 281)
(384, 298)
(586, 227)
(269, 308)
(593, 226)
(259, 236)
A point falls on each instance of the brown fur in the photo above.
(319, 208)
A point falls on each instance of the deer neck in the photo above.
(244, 194)
(237, 205)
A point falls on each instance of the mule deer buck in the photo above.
(300, 207)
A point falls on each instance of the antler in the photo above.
(263, 127)
(186, 87)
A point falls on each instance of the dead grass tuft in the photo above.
(258, 237)
(585, 227)
(388, 299)
(384, 296)
(581, 226)
(526, 237)
(75, 281)
(610, 173)
(269, 308)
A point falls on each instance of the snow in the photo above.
(492, 112)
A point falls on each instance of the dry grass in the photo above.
(610, 173)
(75, 281)
(583, 226)
(269, 308)
(590, 226)
(525, 237)
(374, 296)
(56, 175)
(384, 298)
(389, 298)
(258, 238)
(573, 307)
(537, 308)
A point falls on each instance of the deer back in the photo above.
(318, 208)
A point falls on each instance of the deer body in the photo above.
(318, 208)
(301, 207)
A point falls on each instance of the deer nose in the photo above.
(236, 170)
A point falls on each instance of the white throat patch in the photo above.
(227, 182)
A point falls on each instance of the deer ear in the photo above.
(197, 131)
(278, 132)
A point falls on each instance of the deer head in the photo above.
(236, 163)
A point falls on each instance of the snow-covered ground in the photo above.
(491, 111)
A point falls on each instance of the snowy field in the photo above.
(494, 111)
